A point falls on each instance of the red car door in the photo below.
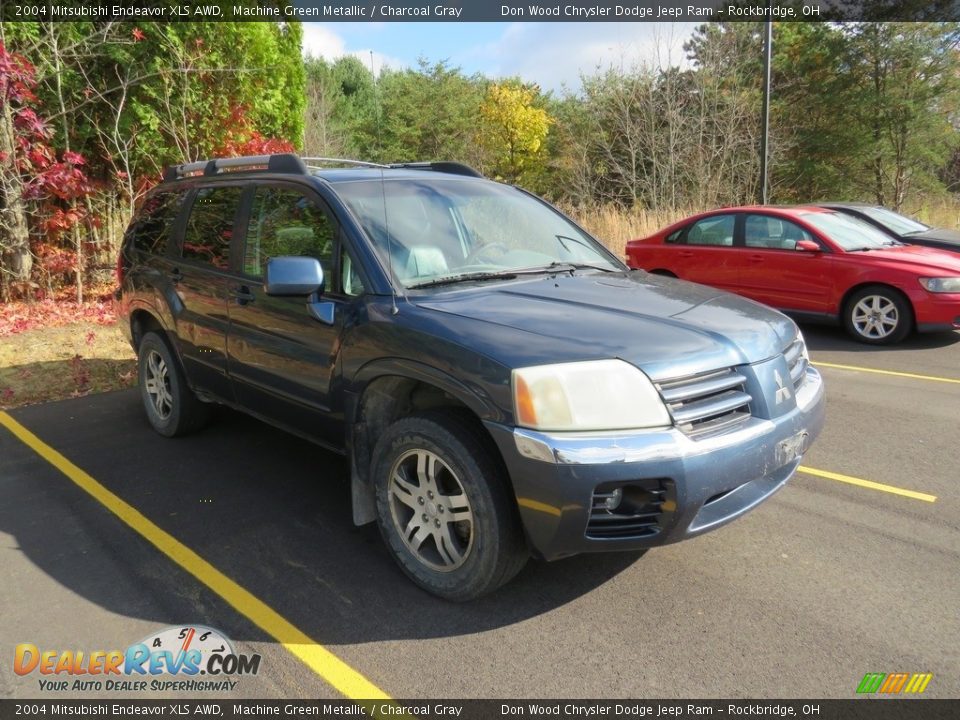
(704, 252)
(776, 272)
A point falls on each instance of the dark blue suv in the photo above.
(499, 382)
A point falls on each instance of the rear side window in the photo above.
(286, 222)
(714, 230)
(210, 226)
(151, 227)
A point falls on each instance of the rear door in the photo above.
(282, 360)
(776, 273)
(705, 252)
(200, 274)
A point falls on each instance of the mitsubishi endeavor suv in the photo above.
(499, 382)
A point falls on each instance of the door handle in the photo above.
(243, 295)
(686, 254)
(175, 276)
(756, 258)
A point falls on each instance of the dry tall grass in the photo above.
(614, 226)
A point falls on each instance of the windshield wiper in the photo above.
(553, 267)
(558, 266)
(465, 277)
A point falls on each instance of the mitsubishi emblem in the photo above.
(783, 392)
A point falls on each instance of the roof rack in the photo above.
(279, 163)
(294, 164)
(451, 168)
(343, 161)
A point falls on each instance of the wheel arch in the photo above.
(385, 391)
(845, 300)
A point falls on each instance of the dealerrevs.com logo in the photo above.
(180, 653)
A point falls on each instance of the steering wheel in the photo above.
(480, 253)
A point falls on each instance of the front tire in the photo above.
(443, 506)
(170, 404)
(877, 315)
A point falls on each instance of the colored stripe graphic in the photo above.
(894, 683)
(871, 682)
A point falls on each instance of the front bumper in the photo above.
(936, 312)
(702, 483)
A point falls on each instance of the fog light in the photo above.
(612, 502)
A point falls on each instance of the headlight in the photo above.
(941, 285)
(593, 395)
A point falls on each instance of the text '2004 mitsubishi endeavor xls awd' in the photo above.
(500, 383)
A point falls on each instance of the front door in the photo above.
(282, 360)
(776, 273)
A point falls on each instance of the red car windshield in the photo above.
(848, 232)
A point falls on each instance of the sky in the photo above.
(553, 55)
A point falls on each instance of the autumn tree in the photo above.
(514, 128)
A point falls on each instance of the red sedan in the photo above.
(815, 264)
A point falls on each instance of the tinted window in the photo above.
(772, 233)
(714, 230)
(210, 226)
(150, 230)
(285, 222)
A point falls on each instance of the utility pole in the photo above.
(764, 137)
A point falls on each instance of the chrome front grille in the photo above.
(796, 362)
(709, 402)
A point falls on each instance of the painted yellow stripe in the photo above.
(324, 663)
(868, 484)
(894, 373)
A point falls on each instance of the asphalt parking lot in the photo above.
(836, 576)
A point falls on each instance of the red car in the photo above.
(815, 264)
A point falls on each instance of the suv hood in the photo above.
(667, 327)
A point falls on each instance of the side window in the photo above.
(150, 230)
(286, 222)
(674, 237)
(771, 233)
(713, 230)
(349, 277)
(210, 226)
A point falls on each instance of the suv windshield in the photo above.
(448, 228)
(895, 221)
(848, 232)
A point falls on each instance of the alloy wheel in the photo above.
(430, 510)
(157, 385)
(875, 317)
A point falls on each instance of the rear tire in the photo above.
(172, 408)
(878, 315)
(444, 508)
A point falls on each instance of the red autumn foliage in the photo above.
(18, 317)
(52, 185)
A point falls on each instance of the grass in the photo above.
(53, 363)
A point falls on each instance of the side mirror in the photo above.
(808, 246)
(293, 276)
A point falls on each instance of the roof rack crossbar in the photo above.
(279, 163)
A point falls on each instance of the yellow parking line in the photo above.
(324, 663)
(868, 484)
(915, 376)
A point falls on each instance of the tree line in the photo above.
(93, 111)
